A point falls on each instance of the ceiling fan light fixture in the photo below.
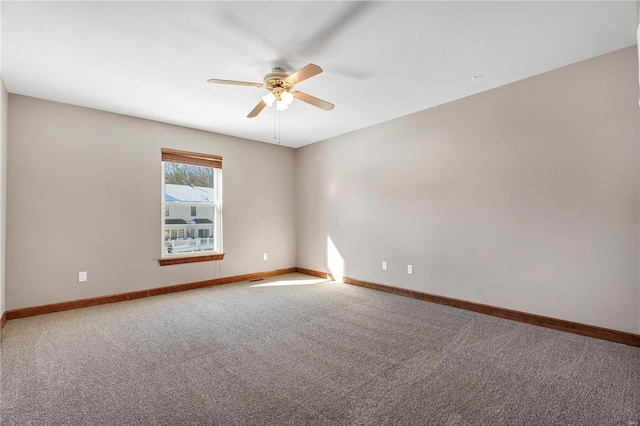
(269, 98)
(281, 105)
(286, 97)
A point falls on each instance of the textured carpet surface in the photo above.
(298, 350)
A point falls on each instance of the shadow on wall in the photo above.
(335, 262)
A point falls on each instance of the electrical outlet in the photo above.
(264, 256)
(410, 269)
(384, 265)
(82, 276)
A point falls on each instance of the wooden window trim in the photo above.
(192, 158)
(190, 259)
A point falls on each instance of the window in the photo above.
(191, 184)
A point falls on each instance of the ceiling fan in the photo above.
(280, 85)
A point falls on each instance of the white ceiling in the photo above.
(381, 60)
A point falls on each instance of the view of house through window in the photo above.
(191, 203)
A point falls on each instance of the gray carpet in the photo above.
(325, 353)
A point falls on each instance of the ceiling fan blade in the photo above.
(257, 110)
(327, 106)
(239, 83)
(303, 74)
(321, 41)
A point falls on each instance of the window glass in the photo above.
(192, 208)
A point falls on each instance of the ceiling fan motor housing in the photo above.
(275, 81)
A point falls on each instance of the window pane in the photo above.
(187, 175)
(189, 234)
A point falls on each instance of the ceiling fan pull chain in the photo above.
(276, 125)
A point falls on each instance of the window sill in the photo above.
(190, 259)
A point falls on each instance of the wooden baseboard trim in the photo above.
(311, 272)
(539, 320)
(101, 300)
(3, 319)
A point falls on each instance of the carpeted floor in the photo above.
(299, 350)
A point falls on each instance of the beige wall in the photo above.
(84, 195)
(3, 190)
(524, 197)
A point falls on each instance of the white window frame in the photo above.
(194, 256)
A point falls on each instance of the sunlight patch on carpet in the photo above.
(292, 282)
